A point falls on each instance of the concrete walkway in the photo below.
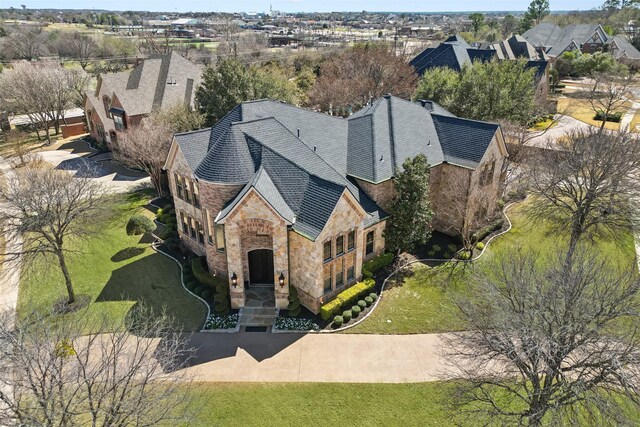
(265, 357)
(625, 122)
(10, 275)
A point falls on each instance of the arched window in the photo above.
(107, 105)
(113, 137)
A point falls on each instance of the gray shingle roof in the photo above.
(453, 53)
(158, 82)
(252, 146)
(556, 39)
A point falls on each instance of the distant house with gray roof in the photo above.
(123, 99)
(278, 196)
(586, 38)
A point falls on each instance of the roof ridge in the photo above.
(295, 107)
(188, 132)
(465, 119)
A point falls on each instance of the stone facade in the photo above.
(457, 193)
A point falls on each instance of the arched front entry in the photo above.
(261, 267)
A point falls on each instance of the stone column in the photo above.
(234, 263)
(281, 265)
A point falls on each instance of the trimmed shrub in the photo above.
(139, 224)
(370, 267)
(294, 308)
(347, 315)
(479, 246)
(431, 252)
(206, 294)
(368, 301)
(201, 273)
(464, 255)
(362, 304)
(452, 248)
(338, 321)
(436, 248)
(159, 214)
(346, 298)
(198, 290)
(612, 117)
(485, 231)
(356, 310)
(373, 296)
(167, 207)
(190, 285)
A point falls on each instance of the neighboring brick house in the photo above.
(274, 194)
(554, 40)
(122, 100)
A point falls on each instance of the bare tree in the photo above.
(42, 91)
(348, 80)
(16, 141)
(76, 372)
(587, 188)
(26, 43)
(49, 207)
(78, 46)
(547, 344)
(146, 147)
(608, 93)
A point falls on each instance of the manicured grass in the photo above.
(326, 404)
(116, 272)
(634, 126)
(424, 301)
(581, 110)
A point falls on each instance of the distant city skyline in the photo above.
(302, 5)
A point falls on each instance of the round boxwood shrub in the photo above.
(347, 315)
(479, 246)
(362, 304)
(464, 255)
(338, 321)
(356, 310)
(190, 285)
(167, 207)
(373, 296)
(139, 224)
(159, 213)
(198, 290)
(368, 301)
(206, 294)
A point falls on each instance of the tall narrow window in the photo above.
(178, 181)
(351, 240)
(185, 225)
(369, 248)
(327, 250)
(327, 281)
(196, 194)
(107, 105)
(192, 228)
(339, 274)
(220, 245)
(200, 231)
(187, 194)
(209, 227)
(339, 245)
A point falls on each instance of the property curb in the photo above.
(154, 245)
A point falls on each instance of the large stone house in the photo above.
(554, 40)
(278, 195)
(122, 100)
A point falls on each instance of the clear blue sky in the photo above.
(299, 5)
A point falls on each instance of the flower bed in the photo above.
(221, 322)
(292, 324)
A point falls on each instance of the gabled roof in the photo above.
(453, 53)
(158, 82)
(624, 49)
(302, 162)
(556, 39)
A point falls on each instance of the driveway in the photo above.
(564, 125)
(267, 357)
(114, 176)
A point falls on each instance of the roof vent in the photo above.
(387, 95)
(429, 143)
(314, 148)
(298, 133)
(382, 158)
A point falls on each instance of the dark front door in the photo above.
(261, 267)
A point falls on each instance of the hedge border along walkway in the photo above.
(403, 266)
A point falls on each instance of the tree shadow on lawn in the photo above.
(152, 283)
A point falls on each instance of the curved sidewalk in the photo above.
(265, 357)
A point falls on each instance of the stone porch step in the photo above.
(257, 316)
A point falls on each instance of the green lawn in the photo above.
(326, 404)
(116, 272)
(423, 301)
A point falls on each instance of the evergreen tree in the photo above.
(411, 210)
(538, 10)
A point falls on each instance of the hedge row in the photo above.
(370, 267)
(202, 274)
(346, 298)
(485, 231)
